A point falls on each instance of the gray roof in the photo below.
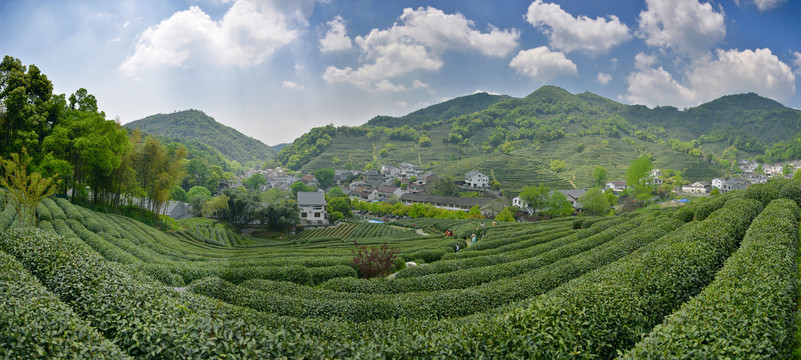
(311, 198)
(472, 173)
(575, 193)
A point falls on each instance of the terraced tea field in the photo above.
(713, 279)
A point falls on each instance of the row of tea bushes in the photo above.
(749, 310)
(609, 310)
(35, 324)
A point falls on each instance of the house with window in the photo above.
(475, 179)
(312, 207)
(616, 186)
(733, 184)
(696, 188)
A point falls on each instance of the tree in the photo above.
(558, 165)
(599, 174)
(444, 187)
(759, 169)
(337, 193)
(506, 215)
(197, 196)
(298, 187)
(787, 169)
(557, 205)
(325, 177)
(178, 194)
(638, 178)
(424, 141)
(534, 196)
(214, 205)
(594, 202)
(474, 213)
(25, 189)
(254, 182)
(373, 262)
(340, 204)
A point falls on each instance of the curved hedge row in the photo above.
(34, 323)
(609, 310)
(300, 301)
(748, 311)
(455, 264)
(147, 321)
(478, 275)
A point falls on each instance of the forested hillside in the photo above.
(195, 125)
(517, 139)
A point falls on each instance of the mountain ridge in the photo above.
(196, 125)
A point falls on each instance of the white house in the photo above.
(717, 182)
(408, 170)
(656, 177)
(616, 186)
(476, 179)
(390, 171)
(572, 196)
(312, 207)
(698, 187)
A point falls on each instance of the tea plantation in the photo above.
(713, 279)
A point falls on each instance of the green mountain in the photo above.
(442, 111)
(194, 125)
(515, 140)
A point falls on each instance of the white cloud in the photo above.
(734, 72)
(542, 64)
(797, 62)
(291, 85)
(336, 38)
(685, 26)
(386, 85)
(570, 33)
(643, 61)
(246, 35)
(604, 78)
(417, 42)
(729, 72)
(763, 5)
(653, 87)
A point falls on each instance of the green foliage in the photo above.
(558, 165)
(424, 141)
(444, 186)
(594, 202)
(194, 125)
(51, 329)
(535, 196)
(749, 309)
(24, 189)
(254, 182)
(325, 177)
(299, 187)
(506, 215)
(638, 177)
(557, 205)
(600, 176)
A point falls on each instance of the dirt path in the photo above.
(417, 231)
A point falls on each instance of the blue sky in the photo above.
(273, 69)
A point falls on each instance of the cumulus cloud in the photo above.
(246, 35)
(797, 62)
(416, 42)
(604, 78)
(728, 72)
(336, 39)
(734, 71)
(685, 26)
(291, 85)
(542, 64)
(569, 33)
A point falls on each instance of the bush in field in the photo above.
(373, 262)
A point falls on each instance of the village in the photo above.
(409, 184)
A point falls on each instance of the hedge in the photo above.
(609, 310)
(35, 324)
(748, 311)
